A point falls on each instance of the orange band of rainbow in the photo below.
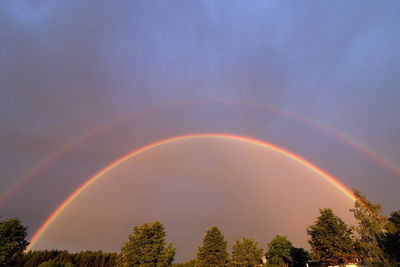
(21, 181)
(138, 151)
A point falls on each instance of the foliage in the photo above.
(147, 247)
(81, 259)
(245, 253)
(372, 229)
(213, 250)
(331, 239)
(55, 263)
(12, 241)
(299, 257)
(278, 253)
(391, 241)
(190, 263)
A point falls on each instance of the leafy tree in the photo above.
(213, 250)
(12, 241)
(278, 253)
(245, 253)
(395, 219)
(392, 239)
(300, 257)
(371, 229)
(147, 247)
(331, 239)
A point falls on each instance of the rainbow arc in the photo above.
(323, 174)
(19, 182)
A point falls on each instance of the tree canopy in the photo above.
(245, 253)
(377, 241)
(392, 239)
(189, 263)
(278, 253)
(55, 263)
(213, 250)
(371, 229)
(12, 241)
(147, 247)
(60, 257)
(299, 257)
(331, 239)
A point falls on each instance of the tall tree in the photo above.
(331, 239)
(147, 247)
(245, 253)
(12, 241)
(278, 253)
(213, 250)
(372, 229)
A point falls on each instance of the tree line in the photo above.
(52, 258)
(374, 240)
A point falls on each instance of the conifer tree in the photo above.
(213, 250)
(331, 239)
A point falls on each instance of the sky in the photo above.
(82, 85)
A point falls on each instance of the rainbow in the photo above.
(61, 151)
(39, 167)
(355, 144)
(149, 147)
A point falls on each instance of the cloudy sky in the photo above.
(82, 84)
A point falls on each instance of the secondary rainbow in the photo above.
(154, 145)
(39, 167)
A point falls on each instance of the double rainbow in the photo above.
(19, 182)
(39, 233)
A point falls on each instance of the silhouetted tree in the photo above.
(245, 253)
(331, 239)
(300, 257)
(12, 241)
(278, 253)
(147, 247)
(392, 238)
(213, 250)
